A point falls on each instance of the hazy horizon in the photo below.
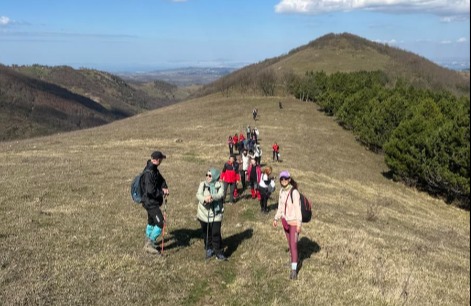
(122, 35)
(458, 64)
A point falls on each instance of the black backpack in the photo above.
(306, 206)
(136, 190)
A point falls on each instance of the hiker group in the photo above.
(212, 192)
(240, 142)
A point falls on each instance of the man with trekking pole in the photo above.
(154, 193)
(210, 213)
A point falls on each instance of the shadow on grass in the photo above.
(233, 242)
(182, 237)
(388, 174)
(306, 247)
(273, 206)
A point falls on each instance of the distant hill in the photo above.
(107, 89)
(40, 100)
(343, 53)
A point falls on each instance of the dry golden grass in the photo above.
(70, 235)
(324, 59)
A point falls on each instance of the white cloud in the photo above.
(448, 8)
(4, 20)
(389, 42)
(455, 18)
(459, 41)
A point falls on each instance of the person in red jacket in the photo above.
(240, 146)
(235, 140)
(230, 177)
(276, 152)
(254, 172)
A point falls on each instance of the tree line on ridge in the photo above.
(423, 134)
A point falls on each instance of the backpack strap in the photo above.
(289, 195)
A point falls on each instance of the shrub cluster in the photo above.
(424, 134)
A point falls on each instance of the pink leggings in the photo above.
(292, 237)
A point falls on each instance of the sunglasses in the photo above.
(284, 178)
(208, 175)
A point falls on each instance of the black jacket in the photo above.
(152, 183)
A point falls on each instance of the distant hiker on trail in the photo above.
(210, 213)
(276, 152)
(254, 114)
(289, 210)
(280, 105)
(230, 176)
(236, 169)
(245, 166)
(249, 132)
(154, 189)
(250, 145)
(265, 187)
(251, 155)
(258, 154)
(254, 172)
(255, 134)
(230, 143)
(235, 141)
(240, 145)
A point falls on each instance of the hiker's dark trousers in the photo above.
(264, 196)
(242, 179)
(155, 217)
(231, 191)
(214, 239)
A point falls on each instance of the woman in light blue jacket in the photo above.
(210, 213)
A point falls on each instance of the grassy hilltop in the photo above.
(70, 234)
(345, 53)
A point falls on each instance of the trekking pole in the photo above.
(165, 223)
(207, 239)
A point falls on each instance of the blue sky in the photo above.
(155, 34)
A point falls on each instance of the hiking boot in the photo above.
(209, 253)
(293, 275)
(150, 247)
(220, 256)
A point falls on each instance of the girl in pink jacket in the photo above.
(289, 211)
